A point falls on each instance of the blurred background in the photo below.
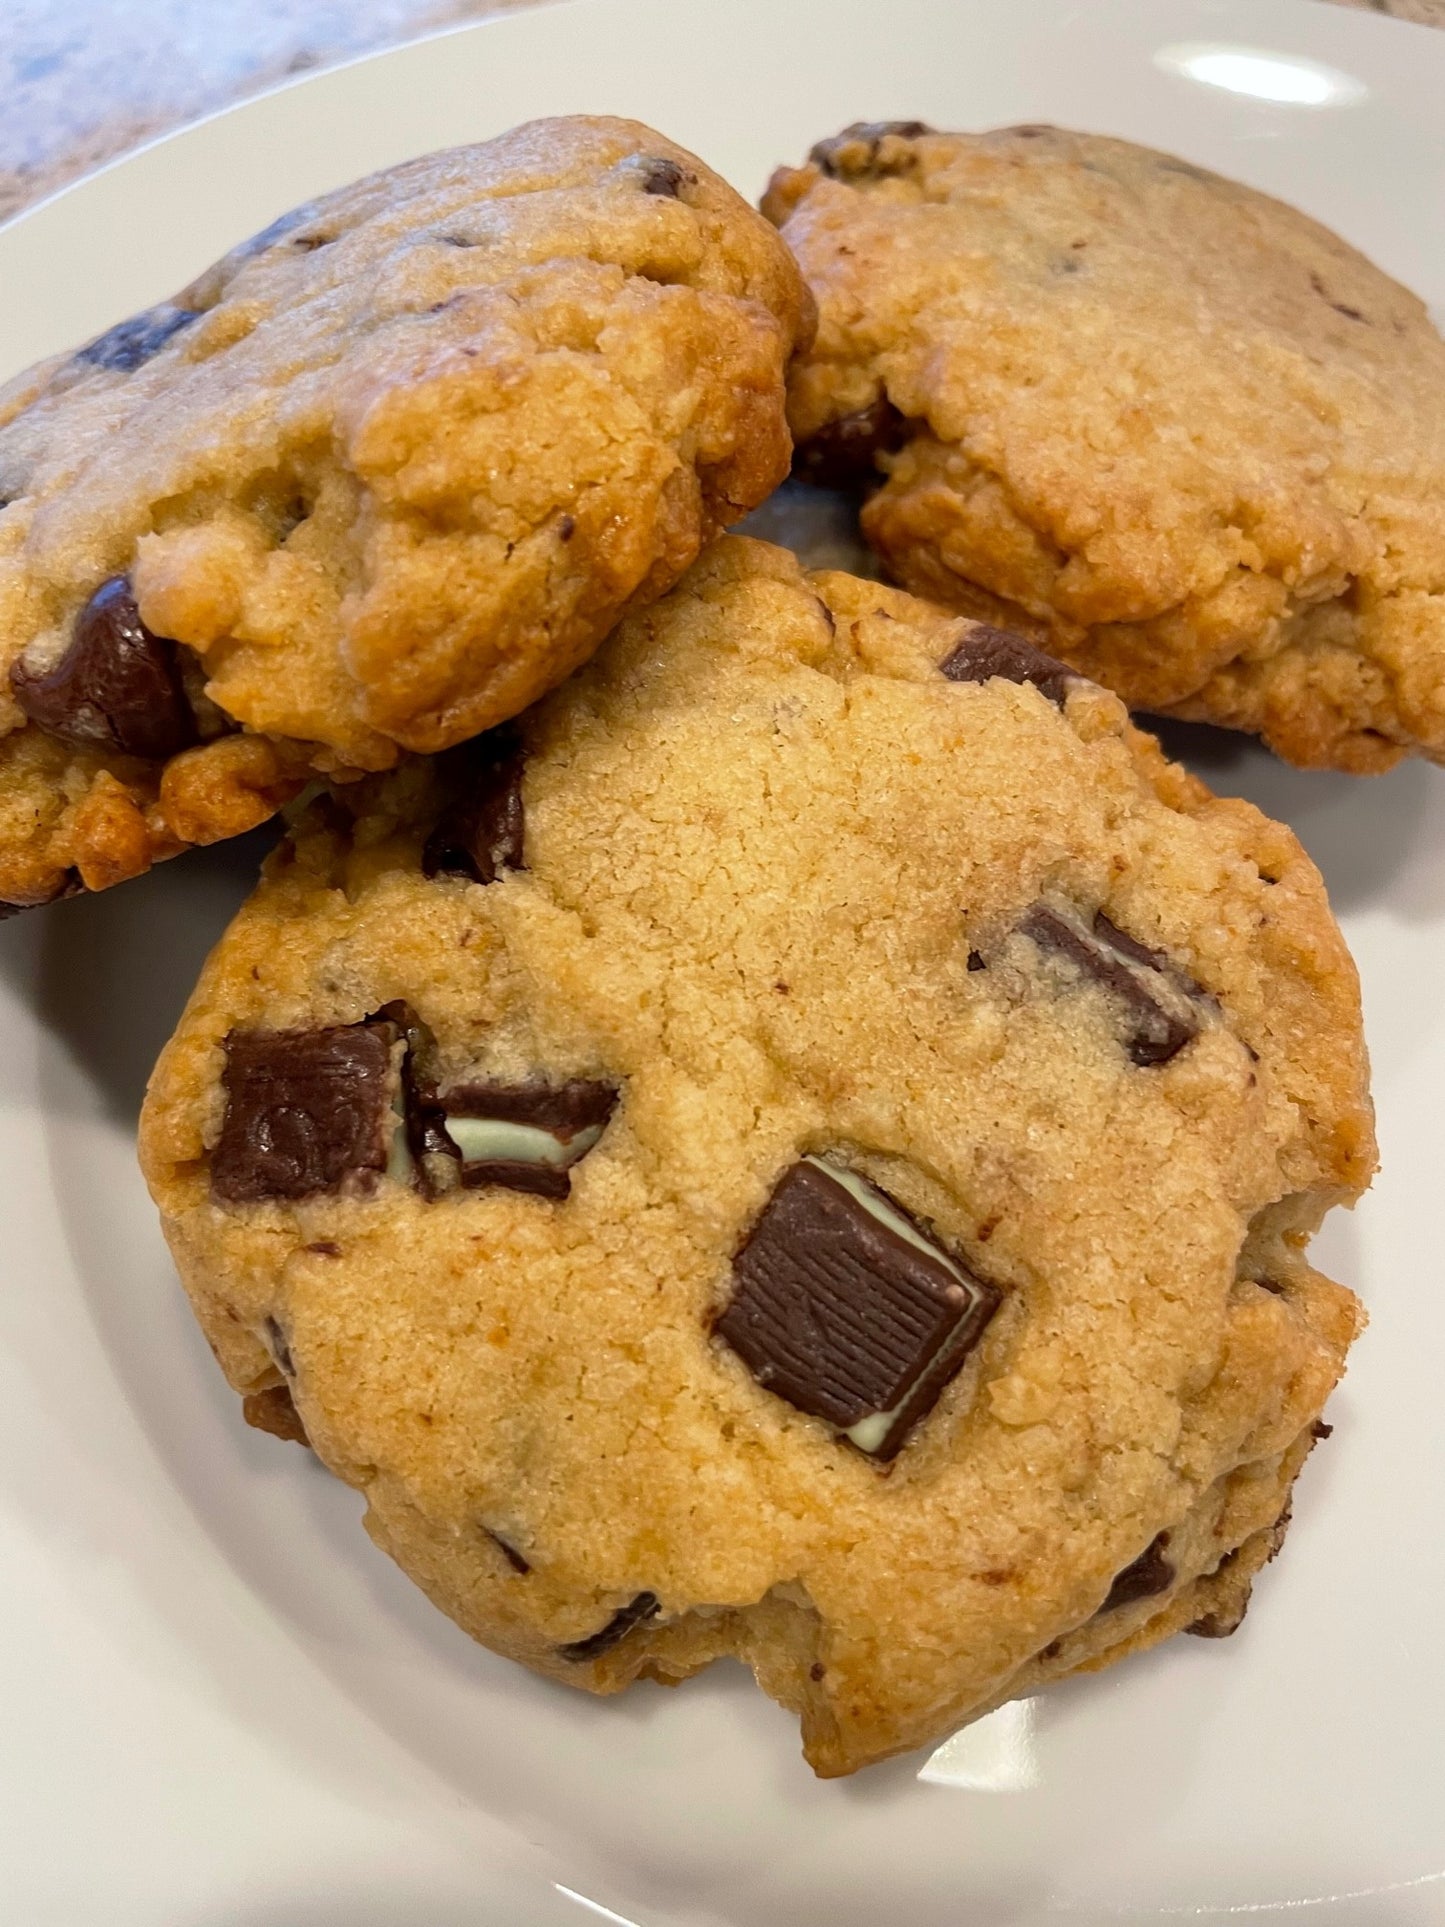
(82, 80)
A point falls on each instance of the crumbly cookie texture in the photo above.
(378, 479)
(1187, 431)
(804, 1150)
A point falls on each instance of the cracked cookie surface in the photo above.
(1189, 433)
(375, 481)
(804, 1151)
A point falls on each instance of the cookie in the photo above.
(803, 1149)
(1187, 433)
(375, 481)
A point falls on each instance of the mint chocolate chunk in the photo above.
(844, 1307)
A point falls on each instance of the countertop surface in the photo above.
(82, 80)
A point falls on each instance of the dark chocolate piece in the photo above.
(117, 684)
(846, 451)
(432, 1151)
(1154, 1003)
(131, 343)
(581, 1104)
(643, 1607)
(848, 1310)
(510, 1553)
(986, 652)
(574, 1113)
(1150, 1573)
(479, 833)
(1127, 946)
(274, 1411)
(662, 176)
(306, 1111)
(516, 1174)
(854, 155)
(1320, 1431)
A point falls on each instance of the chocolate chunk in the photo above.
(662, 176)
(856, 154)
(846, 451)
(975, 961)
(117, 685)
(432, 1153)
(130, 344)
(516, 1174)
(817, 1671)
(1150, 1573)
(306, 1111)
(581, 1104)
(1320, 1431)
(525, 1136)
(1129, 947)
(643, 1607)
(1156, 1004)
(986, 652)
(274, 1411)
(847, 1309)
(566, 528)
(479, 833)
(510, 1553)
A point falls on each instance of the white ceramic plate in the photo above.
(222, 1708)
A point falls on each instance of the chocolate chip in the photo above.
(117, 684)
(975, 961)
(516, 1174)
(307, 1111)
(274, 1411)
(843, 452)
(130, 344)
(1154, 1002)
(510, 1553)
(1319, 1430)
(479, 833)
(643, 1607)
(432, 1152)
(848, 1310)
(324, 1248)
(1150, 1573)
(1052, 1650)
(662, 176)
(855, 153)
(817, 1670)
(525, 1136)
(566, 528)
(986, 652)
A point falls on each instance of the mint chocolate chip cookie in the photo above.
(373, 482)
(1189, 437)
(804, 1149)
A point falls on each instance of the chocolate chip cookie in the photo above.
(802, 1149)
(1188, 433)
(376, 480)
